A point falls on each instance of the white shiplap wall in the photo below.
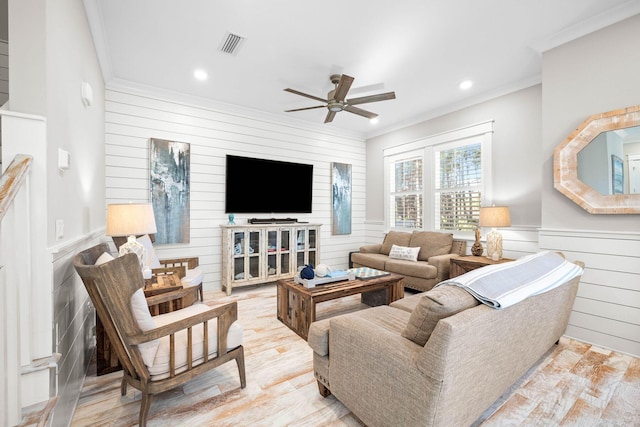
(4, 79)
(133, 117)
(606, 311)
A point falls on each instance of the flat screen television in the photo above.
(264, 186)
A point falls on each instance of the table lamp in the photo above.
(131, 219)
(494, 216)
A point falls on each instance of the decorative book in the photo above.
(364, 273)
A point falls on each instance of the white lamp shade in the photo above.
(130, 219)
(495, 216)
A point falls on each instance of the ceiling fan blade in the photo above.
(343, 87)
(306, 108)
(305, 94)
(372, 98)
(330, 116)
(360, 112)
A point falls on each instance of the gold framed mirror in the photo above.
(598, 165)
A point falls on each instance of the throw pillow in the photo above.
(431, 243)
(105, 257)
(399, 238)
(145, 322)
(436, 304)
(404, 252)
(152, 260)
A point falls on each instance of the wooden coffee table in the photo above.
(297, 304)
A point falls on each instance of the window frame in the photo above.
(426, 147)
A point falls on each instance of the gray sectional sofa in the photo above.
(431, 266)
(438, 358)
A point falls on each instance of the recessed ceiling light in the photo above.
(373, 121)
(466, 84)
(200, 75)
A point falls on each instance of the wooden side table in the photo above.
(161, 284)
(459, 266)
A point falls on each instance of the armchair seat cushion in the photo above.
(160, 367)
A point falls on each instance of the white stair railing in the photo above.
(15, 271)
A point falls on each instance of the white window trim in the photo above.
(426, 146)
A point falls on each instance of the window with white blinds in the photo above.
(458, 187)
(406, 193)
(439, 183)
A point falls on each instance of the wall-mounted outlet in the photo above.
(59, 229)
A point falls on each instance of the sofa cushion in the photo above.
(436, 304)
(431, 243)
(408, 303)
(420, 269)
(369, 260)
(404, 252)
(399, 238)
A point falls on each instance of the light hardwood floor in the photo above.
(576, 384)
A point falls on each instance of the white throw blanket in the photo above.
(502, 285)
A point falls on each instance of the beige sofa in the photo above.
(431, 266)
(374, 361)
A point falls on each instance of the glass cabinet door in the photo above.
(246, 255)
(238, 255)
(285, 251)
(272, 252)
(253, 254)
(278, 251)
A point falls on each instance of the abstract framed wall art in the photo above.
(341, 198)
(170, 170)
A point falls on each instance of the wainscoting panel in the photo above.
(133, 116)
(73, 327)
(607, 308)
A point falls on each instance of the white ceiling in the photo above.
(421, 49)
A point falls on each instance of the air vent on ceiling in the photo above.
(231, 43)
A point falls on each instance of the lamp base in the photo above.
(477, 249)
(132, 246)
(494, 245)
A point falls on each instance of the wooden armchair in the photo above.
(186, 268)
(163, 352)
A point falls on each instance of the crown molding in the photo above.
(598, 22)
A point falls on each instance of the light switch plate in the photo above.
(64, 159)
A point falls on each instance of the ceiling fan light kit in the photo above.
(336, 101)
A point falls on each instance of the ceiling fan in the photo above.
(336, 101)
